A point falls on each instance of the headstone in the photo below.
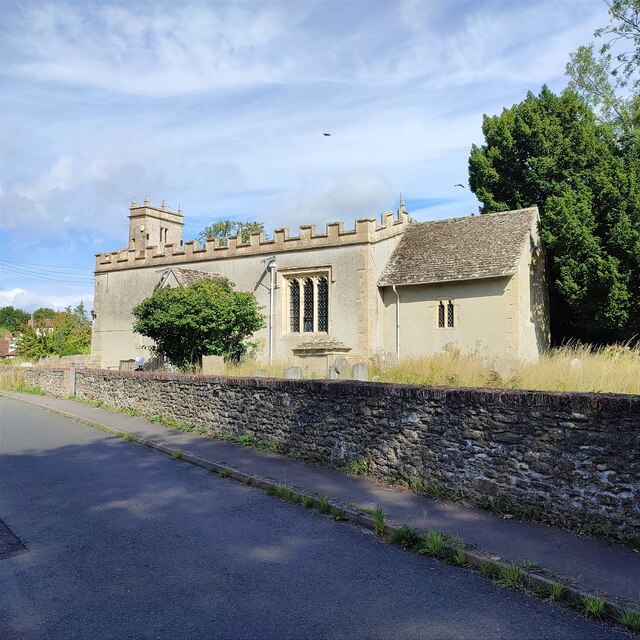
(360, 371)
(293, 373)
(333, 373)
(259, 373)
(341, 366)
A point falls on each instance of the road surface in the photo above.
(123, 542)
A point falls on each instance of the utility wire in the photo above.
(36, 265)
(51, 277)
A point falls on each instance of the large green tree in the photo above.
(225, 229)
(608, 77)
(206, 318)
(68, 333)
(13, 319)
(551, 152)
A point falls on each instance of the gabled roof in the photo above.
(184, 277)
(483, 246)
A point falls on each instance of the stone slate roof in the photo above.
(185, 277)
(483, 246)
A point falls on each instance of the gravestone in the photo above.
(293, 373)
(339, 370)
(360, 371)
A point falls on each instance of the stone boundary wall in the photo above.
(575, 455)
(54, 381)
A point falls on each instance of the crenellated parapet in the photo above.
(366, 231)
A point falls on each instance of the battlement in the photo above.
(366, 231)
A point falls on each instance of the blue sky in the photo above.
(221, 107)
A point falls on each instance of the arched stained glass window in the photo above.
(307, 320)
(294, 306)
(323, 304)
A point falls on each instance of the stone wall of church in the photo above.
(124, 278)
(572, 457)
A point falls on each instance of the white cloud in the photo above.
(356, 194)
(32, 300)
(221, 107)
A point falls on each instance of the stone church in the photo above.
(395, 289)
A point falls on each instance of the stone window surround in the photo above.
(315, 273)
(455, 310)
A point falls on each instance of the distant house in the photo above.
(8, 347)
(399, 287)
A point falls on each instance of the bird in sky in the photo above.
(326, 134)
(459, 185)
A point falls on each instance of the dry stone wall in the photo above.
(54, 381)
(575, 456)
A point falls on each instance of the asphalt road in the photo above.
(124, 542)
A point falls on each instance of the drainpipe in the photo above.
(397, 320)
(271, 266)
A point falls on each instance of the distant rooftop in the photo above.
(470, 248)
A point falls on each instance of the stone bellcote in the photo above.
(151, 226)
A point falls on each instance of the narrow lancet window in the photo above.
(441, 314)
(450, 314)
(294, 306)
(308, 305)
(323, 305)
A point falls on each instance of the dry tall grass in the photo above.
(614, 369)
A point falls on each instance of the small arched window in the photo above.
(446, 314)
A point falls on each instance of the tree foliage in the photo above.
(225, 229)
(68, 333)
(43, 313)
(608, 78)
(206, 318)
(551, 152)
(13, 319)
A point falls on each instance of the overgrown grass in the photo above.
(12, 379)
(172, 423)
(630, 619)
(489, 569)
(246, 440)
(593, 606)
(307, 502)
(433, 544)
(379, 526)
(359, 467)
(574, 367)
(510, 577)
(225, 473)
(129, 437)
(323, 504)
(556, 591)
(405, 537)
(176, 454)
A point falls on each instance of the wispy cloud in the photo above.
(221, 107)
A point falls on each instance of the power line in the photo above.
(48, 277)
(52, 266)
